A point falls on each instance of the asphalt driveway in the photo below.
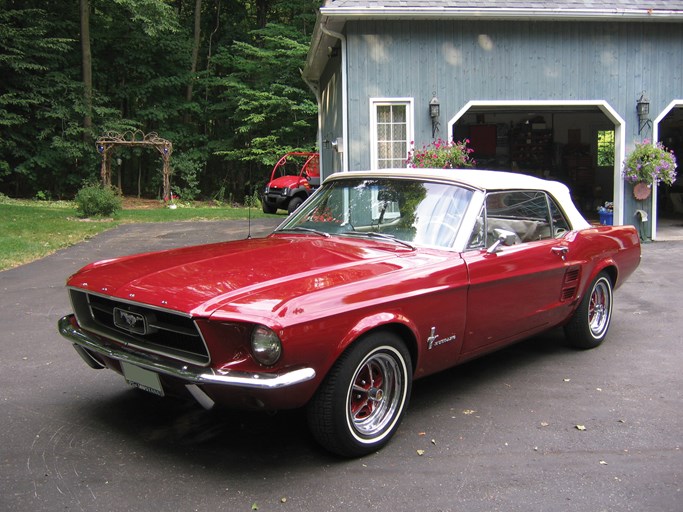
(499, 433)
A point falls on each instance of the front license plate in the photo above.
(142, 379)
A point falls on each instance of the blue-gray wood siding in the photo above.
(331, 123)
(496, 60)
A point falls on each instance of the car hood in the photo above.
(248, 278)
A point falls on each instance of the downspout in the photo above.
(315, 89)
(345, 113)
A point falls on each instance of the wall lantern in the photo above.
(434, 112)
(643, 111)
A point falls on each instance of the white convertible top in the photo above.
(483, 180)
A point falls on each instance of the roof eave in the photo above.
(334, 19)
(556, 14)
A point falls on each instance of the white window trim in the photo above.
(410, 124)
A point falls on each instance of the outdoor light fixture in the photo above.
(643, 111)
(434, 111)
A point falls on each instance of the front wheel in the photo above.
(588, 327)
(294, 203)
(268, 208)
(361, 402)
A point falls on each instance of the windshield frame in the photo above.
(462, 193)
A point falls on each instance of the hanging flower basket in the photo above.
(647, 165)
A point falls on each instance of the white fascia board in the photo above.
(353, 13)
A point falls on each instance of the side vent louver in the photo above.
(570, 283)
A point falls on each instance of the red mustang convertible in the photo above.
(379, 278)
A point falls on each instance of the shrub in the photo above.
(97, 201)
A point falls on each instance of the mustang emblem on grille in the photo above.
(130, 321)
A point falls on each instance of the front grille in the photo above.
(143, 327)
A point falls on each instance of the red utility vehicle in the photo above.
(291, 181)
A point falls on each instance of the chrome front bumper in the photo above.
(93, 343)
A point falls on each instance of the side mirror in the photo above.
(503, 237)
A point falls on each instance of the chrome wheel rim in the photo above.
(599, 308)
(376, 394)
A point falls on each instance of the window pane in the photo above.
(399, 132)
(399, 112)
(524, 213)
(560, 224)
(398, 150)
(383, 131)
(606, 148)
(418, 212)
(384, 114)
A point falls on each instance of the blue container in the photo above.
(606, 218)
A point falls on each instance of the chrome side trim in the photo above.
(253, 380)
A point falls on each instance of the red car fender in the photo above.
(379, 320)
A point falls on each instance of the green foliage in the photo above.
(249, 103)
(187, 168)
(97, 201)
(605, 148)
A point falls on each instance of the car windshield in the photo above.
(391, 209)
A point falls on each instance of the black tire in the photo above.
(294, 203)
(361, 402)
(590, 323)
(268, 208)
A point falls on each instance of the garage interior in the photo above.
(572, 144)
(558, 143)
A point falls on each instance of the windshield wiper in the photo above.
(380, 236)
(307, 230)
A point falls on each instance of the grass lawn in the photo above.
(30, 230)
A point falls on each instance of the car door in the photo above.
(515, 290)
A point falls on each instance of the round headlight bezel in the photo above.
(266, 347)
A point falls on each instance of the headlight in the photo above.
(265, 345)
(285, 191)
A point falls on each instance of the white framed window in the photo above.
(391, 127)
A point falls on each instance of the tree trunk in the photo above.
(262, 12)
(86, 57)
(195, 46)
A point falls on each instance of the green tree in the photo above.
(219, 78)
(40, 101)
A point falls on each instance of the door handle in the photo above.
(561, 251)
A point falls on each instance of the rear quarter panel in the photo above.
(615, 248)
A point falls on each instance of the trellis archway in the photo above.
(107, 142)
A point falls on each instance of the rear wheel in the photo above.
(588, 327)
(361, 403)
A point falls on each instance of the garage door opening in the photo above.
(670, 199)
(578, 144)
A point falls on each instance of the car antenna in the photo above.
(249, 201)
